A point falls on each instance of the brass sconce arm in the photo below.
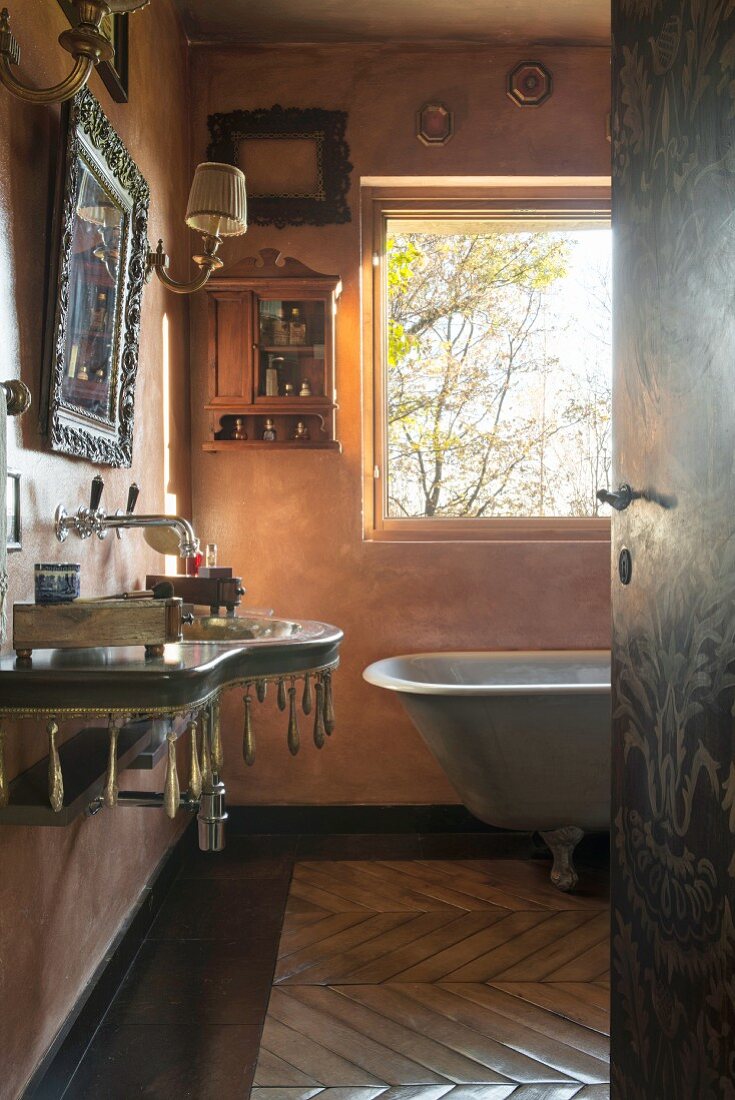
(86, 43)
(76, 79)
(207, 264)
(217, 208)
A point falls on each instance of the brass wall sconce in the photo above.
(87, 44)
(217, 208)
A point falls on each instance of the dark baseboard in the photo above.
(333, 820)
(53, 1073)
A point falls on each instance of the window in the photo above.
(491, 372)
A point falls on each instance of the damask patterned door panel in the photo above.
(673, 976)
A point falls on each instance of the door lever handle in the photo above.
(625, 496)
(621, 499)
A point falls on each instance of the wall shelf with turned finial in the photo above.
(271, 337)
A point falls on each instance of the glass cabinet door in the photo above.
(291, 335)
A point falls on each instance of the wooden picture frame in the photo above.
(114, 73)
(100, 244)
(14, 532)
(322, 200)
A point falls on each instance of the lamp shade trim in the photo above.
(218, 201)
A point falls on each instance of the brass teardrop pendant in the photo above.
(248, 737)
(281, 697)
(218, 753)
(328, 703)
(110, 792)
(261, 689)
(4, 790)
(294, 741)
(195, 772)
(319, 731)
(307, 701)
(171, 790)
(55, 778)
(206, 767)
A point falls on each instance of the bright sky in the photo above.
(579, 300)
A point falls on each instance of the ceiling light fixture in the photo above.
(217, 208)
(86, 42)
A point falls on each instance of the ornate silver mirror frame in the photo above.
(95, 287)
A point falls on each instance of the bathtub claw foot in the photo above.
(562, 843)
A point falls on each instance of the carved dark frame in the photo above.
(87, 131)
(327, 128)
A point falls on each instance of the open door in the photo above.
(673, 849)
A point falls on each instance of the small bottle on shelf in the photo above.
(269, 312)
(238, 432)
(305, 390)
(272, 375)
(280, 331)
(296, 328)
(301, 431)
(269, 432)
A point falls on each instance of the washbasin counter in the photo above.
(122, 678)
(153, 700)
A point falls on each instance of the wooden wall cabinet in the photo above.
(271, 355)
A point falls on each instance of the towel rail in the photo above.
(18, 396)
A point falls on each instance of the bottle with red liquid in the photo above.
(192, 564)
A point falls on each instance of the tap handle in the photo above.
(133, 492)
(96, 495)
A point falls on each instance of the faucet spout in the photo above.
(188, 541)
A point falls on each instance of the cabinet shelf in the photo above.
(271, 445)
(287, 405)
(279, 349)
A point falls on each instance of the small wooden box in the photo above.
(85, 624)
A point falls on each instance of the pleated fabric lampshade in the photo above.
(121, 6)
(217, 201)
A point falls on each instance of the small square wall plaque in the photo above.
(529, 84)
(434, 124)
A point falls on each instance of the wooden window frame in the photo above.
(583, 201)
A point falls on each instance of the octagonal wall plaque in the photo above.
(529, 84)
(434, 124)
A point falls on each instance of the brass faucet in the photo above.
(95, 521)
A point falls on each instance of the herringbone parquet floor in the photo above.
(438, 980)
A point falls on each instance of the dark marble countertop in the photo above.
(122, 678)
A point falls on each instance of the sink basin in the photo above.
(223, 629)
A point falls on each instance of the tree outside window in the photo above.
(498, 372)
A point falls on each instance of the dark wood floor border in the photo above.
(355, 819)
(63, 1056)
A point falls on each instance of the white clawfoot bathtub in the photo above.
(524, 737)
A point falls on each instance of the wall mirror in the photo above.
(93, 316)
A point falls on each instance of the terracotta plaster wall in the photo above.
(64, 893)
(292, 524)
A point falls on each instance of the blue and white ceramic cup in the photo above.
(56, 583)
